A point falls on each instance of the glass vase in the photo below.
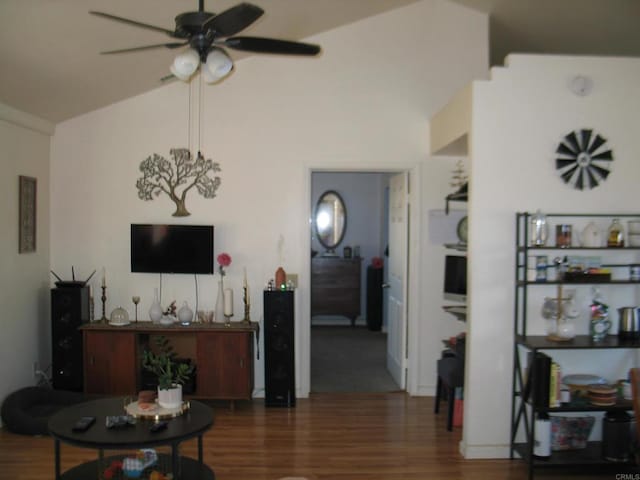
(218, 315)
(155, 312)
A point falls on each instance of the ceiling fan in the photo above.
(206, 33)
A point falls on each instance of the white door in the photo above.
(397, 268)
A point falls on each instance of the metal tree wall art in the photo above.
(176, 177)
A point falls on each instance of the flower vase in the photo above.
(155, 312)
(218, 315)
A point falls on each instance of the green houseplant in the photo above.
(170, 373)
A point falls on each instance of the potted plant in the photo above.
(171, 374)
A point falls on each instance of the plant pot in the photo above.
(170, 398)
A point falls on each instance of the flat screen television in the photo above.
(172, 248)
(455, 278)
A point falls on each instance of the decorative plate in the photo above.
(462, 229)
(584, 160)
(583, 379)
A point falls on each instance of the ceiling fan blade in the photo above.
(271, 45)
(233, 20)
(146, 47)
(171, 33)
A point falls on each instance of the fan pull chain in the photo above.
(189, 121)
(199, 113)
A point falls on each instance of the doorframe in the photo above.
(303, 331)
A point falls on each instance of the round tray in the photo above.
(156, 412)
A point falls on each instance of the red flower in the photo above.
(376, 262)
(224, 260)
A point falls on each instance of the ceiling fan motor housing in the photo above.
(190, 23)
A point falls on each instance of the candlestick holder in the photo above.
(104, 302)
(136, 300)
(247, 307)
(227, 320)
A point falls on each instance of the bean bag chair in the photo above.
(27, 411)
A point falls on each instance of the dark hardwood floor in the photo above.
(389, 436)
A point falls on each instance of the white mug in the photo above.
(626, 389)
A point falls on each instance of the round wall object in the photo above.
(581, 85)
(462, 229)
(584, 159)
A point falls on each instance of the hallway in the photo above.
(349, 359)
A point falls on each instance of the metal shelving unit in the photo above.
(523, 411)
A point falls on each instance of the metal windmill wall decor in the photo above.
(584, 160)
(177, 177)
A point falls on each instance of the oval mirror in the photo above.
(330, 220)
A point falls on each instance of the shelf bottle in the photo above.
(615, 234)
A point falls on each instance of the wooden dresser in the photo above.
(335, 286)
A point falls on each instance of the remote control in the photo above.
(83, 424)
(157, 427)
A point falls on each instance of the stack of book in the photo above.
(542, 385)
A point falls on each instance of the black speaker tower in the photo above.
(279, 359)
(69, 310)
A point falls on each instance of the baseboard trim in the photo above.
(484, 451)
(426, 391)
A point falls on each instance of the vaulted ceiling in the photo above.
(51, 67)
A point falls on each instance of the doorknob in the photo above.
(386, 285)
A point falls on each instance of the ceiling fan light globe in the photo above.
(185, 64)
(217, 66)
(178, 75)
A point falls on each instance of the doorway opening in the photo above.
(349, 330)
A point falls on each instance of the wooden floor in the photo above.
(389, 436)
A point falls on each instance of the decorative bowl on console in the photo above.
(119, 317)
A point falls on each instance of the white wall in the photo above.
(364, 103)
(24, 278)
(519, 117)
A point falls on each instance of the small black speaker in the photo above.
(279, 360)
(69, 310)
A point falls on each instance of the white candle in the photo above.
(228, 302)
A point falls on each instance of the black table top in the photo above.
(194, 422)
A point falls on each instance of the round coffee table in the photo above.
(193, 423)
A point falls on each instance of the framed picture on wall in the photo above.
(27, 214)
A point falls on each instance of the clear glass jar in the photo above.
(566, 329)
(539, 229)
(119, 316)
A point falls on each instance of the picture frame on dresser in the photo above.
(27, 196)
